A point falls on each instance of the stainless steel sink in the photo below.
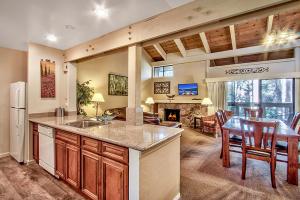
(84, 123)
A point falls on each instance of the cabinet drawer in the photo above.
(35, 126)
(115, 152)
(68, 137)
(91, 145)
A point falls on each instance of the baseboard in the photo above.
(28, 162)
(2, 155)
(177, 197)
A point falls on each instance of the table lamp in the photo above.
(207, 102)
(97, 99)
(150, 101)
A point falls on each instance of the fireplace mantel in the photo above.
(181, 101)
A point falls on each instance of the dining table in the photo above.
(284, 133)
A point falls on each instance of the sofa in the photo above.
(148, 118)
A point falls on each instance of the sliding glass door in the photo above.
(275, 96)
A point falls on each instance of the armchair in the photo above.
(208, 124)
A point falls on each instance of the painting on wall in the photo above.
(47, 79)
(162, 87)
(117, 85)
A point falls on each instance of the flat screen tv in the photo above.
(189, 89)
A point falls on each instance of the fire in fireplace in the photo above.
(172, 115)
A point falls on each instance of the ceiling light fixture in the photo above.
(100, 11)
(51, 38)
(280, 38)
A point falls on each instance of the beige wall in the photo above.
(13, 65)
(194, 72)
(35, 103)
(97, 71)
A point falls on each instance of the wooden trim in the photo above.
(180, 47)
(161, 51)
(204, 42)
(233, 41)
(269, 29)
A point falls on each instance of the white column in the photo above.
(134, 111)
(297, 80)
(71, 98)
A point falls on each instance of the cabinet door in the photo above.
(73, 165)
(60, 157)
(114, 180)
(35, 149)
(90, 173)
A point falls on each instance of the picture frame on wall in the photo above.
(162, 87)
(47, 73)
(117, 85)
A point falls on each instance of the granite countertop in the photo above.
(117, 132)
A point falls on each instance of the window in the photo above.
(163, 71)
(275, 96)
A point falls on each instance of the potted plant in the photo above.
(84, 96)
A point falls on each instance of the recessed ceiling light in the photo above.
(100, 11)
(51, 38)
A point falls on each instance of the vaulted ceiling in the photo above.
(240, 35)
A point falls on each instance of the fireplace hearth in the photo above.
(172, 115)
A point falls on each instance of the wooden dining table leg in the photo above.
(292, 167)
(226, 155)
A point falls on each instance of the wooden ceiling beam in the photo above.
(180, 46)
(269, 29)
(290, 5)
(233, 42)
(205, 42)
(226, 54)
(161, 51)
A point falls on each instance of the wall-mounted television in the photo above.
(189, 89)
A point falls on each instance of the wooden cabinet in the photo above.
(73, 165)
(98, 168)
(114, 180)
(60, 154)
(35, 148)
(91, 174)
(67, 157)
(115, 152)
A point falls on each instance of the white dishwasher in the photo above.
(46, 148)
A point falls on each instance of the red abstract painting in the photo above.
(47, 79)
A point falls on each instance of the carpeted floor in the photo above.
(203, 177)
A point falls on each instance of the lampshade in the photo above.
(98, 97)
(149, 100)
(206, 101)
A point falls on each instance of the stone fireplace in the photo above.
(185, 109)
(172, 115)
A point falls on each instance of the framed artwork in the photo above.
(47, 78)
(117, 85)
(162, 87)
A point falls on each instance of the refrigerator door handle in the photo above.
(18, 97)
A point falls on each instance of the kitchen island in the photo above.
(115, 161)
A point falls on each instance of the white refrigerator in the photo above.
(17, 120)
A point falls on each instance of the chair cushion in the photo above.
(235, 138)
(209, 123)
(282, 145)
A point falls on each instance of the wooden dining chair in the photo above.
(282, 146)
(258, 142)
(234, 141)
(253, 112)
